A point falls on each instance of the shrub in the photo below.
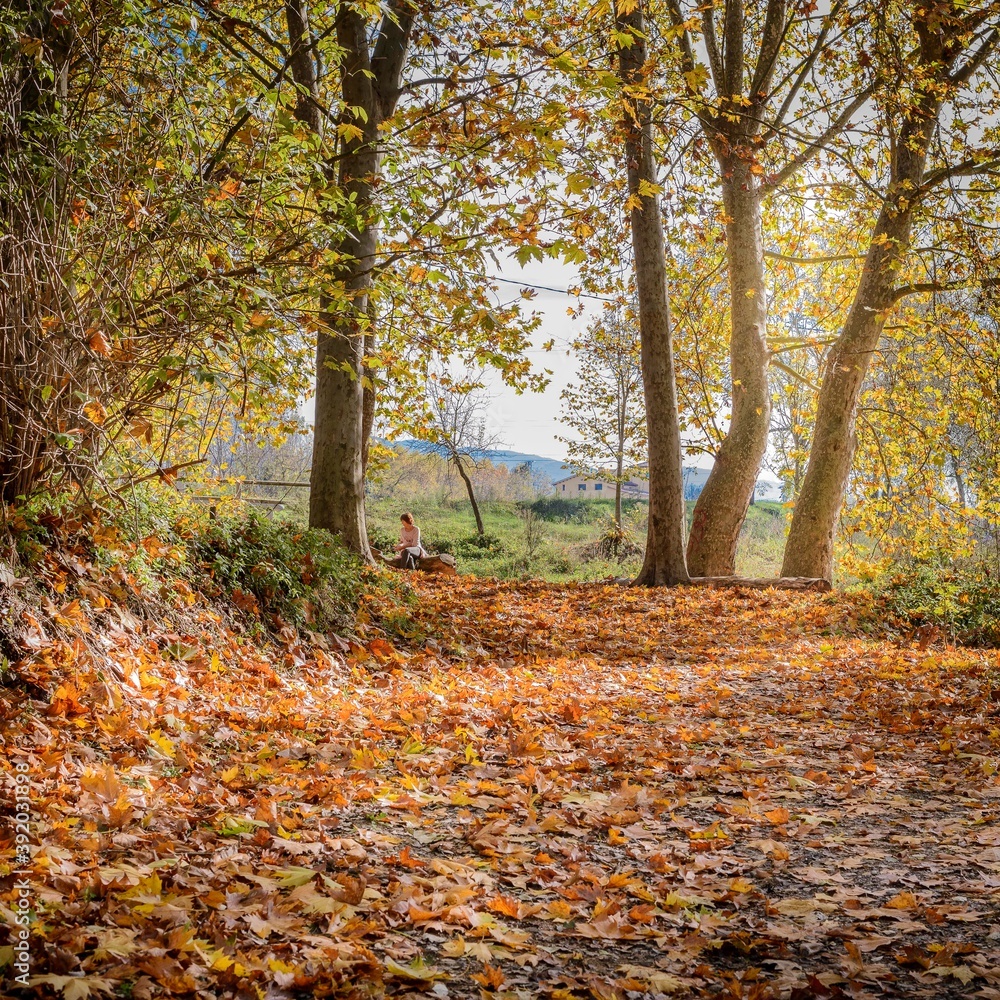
(304, 577)
(161, 540)
(963, 603)
(478, 545)
(381, 540)
(616, 541)
(569, 509)
(438, 544)
(562, 562)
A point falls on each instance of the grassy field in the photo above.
(556, 539)
(550, 538)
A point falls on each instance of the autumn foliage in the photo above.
(500, 789)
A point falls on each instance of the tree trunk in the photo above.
(369, 82)
(439, 564)
(664, 560)
(817, 585)
(956, 473)
(336, 484)
(809, 547)
(721, 508)
(618, 495)
(369, 397)
(472, 495)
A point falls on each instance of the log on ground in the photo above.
(815, 584)
(442, 564)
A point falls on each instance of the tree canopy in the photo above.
(214, 211)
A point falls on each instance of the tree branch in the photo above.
(389, 55)
(305, 70)
(963, 73)
(733, 54)
(775, 28)
(813, 147)
(940, 286)
(774, 255)
(967, 168)
(807, 65)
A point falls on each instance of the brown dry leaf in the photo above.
(492, 977)
(569, 778)
(903, 901)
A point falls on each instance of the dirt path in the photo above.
(569, 792)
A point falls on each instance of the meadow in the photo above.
(530, 533)
(555, 539)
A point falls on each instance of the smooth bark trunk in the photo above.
(664, 563)
(472, 495)
(336, 494)
(810, 544)
(721, 508)
(809, 548)
(369, 398)
(618, 494)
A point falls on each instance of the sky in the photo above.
(530, 422)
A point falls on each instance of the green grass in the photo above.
(762, 540)
(568, 531)
(505, 552)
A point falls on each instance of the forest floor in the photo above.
(567, 791)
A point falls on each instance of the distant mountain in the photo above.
(550, 467)
(695, 477)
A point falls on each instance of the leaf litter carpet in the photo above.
(568, 792)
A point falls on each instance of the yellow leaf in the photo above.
(295, 876)
(75, 987)
(350, 132)
(417, 970)
(166, 745)
(95, 412)
(454, 947)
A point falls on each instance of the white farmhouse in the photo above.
(594, 487)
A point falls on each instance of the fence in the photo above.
(270, 494)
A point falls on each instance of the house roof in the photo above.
(594, 477)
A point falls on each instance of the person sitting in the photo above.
(409, 546)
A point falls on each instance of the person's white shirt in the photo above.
(409, 538)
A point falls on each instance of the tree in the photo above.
(458, 430)
(407, 127)
(742, 101)
(137, 302)
(370, 87)
(664, 563)
(945, 46)
(606, 407)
